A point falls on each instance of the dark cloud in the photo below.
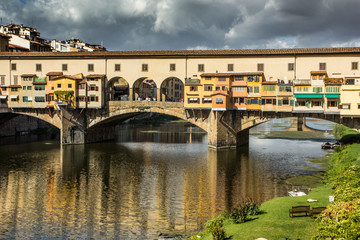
(184, 24)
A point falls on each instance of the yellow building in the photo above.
(64, 90)
(268, 94)
(254, 81)
(193, 93)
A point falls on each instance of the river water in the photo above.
(152, 180)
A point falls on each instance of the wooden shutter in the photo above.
(96, 88)
(96, 99)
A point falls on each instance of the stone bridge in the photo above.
(225, 129)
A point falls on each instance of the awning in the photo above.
(14, 96)
(308, 95)
(3, 97)
(332, 95)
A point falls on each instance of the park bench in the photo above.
(316, 211)
(299, 209)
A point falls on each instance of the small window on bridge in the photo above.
(117, 67)
(90, 67)
(172, 67)
(201, 67)
(144, 68)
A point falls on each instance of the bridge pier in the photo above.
(224, 130)
(70, 133)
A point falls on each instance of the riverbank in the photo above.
(275, 223)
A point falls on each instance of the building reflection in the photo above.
(113, 191)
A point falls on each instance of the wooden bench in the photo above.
(316, 211)
(299, 209)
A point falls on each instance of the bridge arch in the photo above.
(117, 89)
(145, 88)
(123, 114)
(172, 90)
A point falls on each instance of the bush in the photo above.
(350, 139)
(239, 214)
(215, 222)
(252, 207)
(218, 233)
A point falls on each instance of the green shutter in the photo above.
(291, 102)
(296, 103)
(248, 102)
(280, 102)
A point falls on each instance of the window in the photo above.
(218, 100)
(256, 89)
(207, 88)
(193, 88)
(239, 89)
(13, 66)
(39, 99)
(290, 66)
(346, 106)
(322, 66)
(239, 78)
(222, 79)
(208, 78)
(257, 78)
(268, 101)
(260, 67)
(144, 67)
(217, 88)
(314, 77)
(27, 99)
(93, 88)
(332, 103)
(332, 89)
(269, 88)
(250, 89)
(224, 88)
(321, 77)
(39, 87)
(284, 88)
(59, 85)
(117, 67)
(14, 89)
(230, 67)
(317, 89)
(29, 87)
(2, 78)
(90, 67)
(207, 100)
(24, 87)
(350, 82)
(172, 67)
(354, 65)
(38, 67)
(193, 100)
(285, 102)
(64, 67)
(201, 67)
(69, 85)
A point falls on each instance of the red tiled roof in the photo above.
(95, 76)
(269, 82)
(66, 76)
(318, 72)
(14, 86)
(17, 47)
(4, 35)
(54, 73)
(191, 53)
(28, 75)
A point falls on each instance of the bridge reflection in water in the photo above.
(136, 189)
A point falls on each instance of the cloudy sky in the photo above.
(192, 24)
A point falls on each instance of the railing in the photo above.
(192, 81)
(144, 104)
(302, 82)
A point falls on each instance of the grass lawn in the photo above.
(275, 222)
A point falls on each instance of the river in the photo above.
(152, 180)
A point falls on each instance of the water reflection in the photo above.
(135, 190)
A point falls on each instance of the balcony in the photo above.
(39, 81)
(302, 82)
(192, 81)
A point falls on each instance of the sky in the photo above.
(192, 24)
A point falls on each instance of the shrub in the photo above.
(239, 214)
(215, 222)
(218, 233)
(252, 207)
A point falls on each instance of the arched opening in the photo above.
(23, 128)
(118, 89)
(145, 89)
(172, 90)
